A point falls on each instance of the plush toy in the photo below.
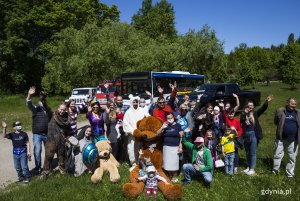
(107, 162)
(151, 148)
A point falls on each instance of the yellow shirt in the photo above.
(228, 143)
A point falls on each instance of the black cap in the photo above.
(17, 123)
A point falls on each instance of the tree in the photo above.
(203, 50)
(290, 65)
(26, 34)
(291, 39)
(155, 20)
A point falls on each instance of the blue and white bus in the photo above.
(136, 83)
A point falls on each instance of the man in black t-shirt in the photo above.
(287, 136)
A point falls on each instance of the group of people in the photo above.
(195, 139)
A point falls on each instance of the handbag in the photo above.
(219, 163)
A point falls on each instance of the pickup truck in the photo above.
(222, 92)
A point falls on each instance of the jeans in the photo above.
(38, 139)
(229, 158)
(21, 165)
(250, 148)
(292, 151)
(189, 170)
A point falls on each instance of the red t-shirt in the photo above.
(161, 113)
(233, 122)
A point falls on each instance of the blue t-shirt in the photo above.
(19, 141)
(290, 127)
(171, 135)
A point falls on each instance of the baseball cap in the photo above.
(199, 139)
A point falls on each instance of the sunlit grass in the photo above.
(238, 187)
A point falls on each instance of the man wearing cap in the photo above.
(202, 163)
(41, 115)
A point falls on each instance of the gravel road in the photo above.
(8, 173)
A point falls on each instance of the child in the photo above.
(151, 181)
(119, 118)
(80, 167)
(227, 142)
(21, 150)
(144, 165)
(210, 142)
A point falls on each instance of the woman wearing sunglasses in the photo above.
(96, 119)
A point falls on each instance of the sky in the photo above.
(254, 22)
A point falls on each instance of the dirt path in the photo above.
(7, 171)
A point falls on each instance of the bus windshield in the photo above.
(137, 83)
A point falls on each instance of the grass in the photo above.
(238, 187)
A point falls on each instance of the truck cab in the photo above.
(80, 94)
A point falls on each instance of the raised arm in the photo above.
(236, 108)
(264, 107)
(4, 127)
(29, 103)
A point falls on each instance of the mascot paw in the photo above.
(95, 179)
(132, 190)
(114, 178)
(173, 193)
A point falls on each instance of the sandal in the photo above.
(174, 180)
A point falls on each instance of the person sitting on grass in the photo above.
(21, 150)
(227, 142)
(84, 138)
(202, 163)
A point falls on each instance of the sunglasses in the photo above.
(161, 102)
(96, 107)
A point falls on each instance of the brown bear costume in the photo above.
(152, 147)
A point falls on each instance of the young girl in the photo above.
(210, 142)
(21, 150)
(151, 179)
(79, 165)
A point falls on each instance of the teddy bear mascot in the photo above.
(152, 146)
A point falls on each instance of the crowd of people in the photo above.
(196, 140)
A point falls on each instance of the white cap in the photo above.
(217, 108)
(151, 168)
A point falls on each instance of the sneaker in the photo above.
(20, 179)
(273, 173)
(132, 167)
(185, 183)
(26, 181)
(235, 170)
(246, 170)
(175, 180)
(251, 172)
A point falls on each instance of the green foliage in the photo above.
(291, 39)
(203, 50)
(26, 31)
(84, 57)
(290, 64)
(155, 20)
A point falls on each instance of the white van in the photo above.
(80, 94)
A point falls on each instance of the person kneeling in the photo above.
(202, 163)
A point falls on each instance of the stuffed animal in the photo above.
(151, 148)
(107, 162)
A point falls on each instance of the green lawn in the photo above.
(238, 187)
